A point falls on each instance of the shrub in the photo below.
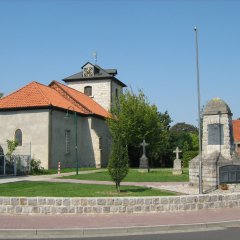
(188, 156)
(35, 165)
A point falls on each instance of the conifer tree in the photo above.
(118, 163)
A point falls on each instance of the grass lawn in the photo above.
(48, 189)
(64, 170)
(157, 175)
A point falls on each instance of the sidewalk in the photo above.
(115, 224)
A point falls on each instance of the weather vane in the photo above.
(95, 57)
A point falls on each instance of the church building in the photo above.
(52, 123)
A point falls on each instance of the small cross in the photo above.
(177, 151)
(144, 144)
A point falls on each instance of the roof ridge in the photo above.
(97, 66)
(74, 99)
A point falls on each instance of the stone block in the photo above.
(87, 209)
(97, 209)
(6, 201)
(66, 202)
(23, 201)
(106, 209)
(3, 209)
(15, 201)
(58, 202)
(79, 209)
(118, 201)
(32, 201)
(149, 201)
(42, 201)
(76, 202)
(101, 201)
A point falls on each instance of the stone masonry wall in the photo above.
(225, 149)
(51, 205)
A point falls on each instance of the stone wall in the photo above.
(101, 90)
(51, 205)
(226, 149)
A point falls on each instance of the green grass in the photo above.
(48, 189)
(64, 170)
(156, 175)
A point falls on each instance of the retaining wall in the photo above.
(51, 205)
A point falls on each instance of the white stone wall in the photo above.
(34, 126)
(101, 90)
(226, 149)
(89, 129)
(113, 92)
(115, 205)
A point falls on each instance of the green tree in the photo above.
(118, 164)
(1, 95)
(135, 119)
(11, 144)
(185, 136)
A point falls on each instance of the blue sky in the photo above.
(150, 42)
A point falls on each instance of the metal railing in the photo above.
(14, 165)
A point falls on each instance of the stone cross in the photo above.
(144, 144)
(177, 151)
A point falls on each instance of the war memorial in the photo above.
(220, 163)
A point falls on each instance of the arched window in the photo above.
(18, 137)
(88, 90)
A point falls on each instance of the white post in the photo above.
(59, 168)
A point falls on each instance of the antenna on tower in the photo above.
(95, 57)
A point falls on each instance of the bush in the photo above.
(188, 156)
(35, 165)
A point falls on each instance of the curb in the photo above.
(116, 231)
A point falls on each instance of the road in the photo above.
(229, 234)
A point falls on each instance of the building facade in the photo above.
(54, 123)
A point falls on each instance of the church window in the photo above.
(100, 143)
(88, 90)
(67, 141)
(18, 137)
(116, 92)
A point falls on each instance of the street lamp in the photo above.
(199, 115)
(76, 136)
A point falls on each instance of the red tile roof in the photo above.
(36, 95)
(236, 130)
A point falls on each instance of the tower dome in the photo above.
(217, 106)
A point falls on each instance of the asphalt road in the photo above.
(229, 234)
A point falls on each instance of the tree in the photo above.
(11, 145)
(185, 136)
(1, 95)
(118, 164)
(135, 119)
(184, 127)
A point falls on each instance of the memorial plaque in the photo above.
(229, 174)
(215, 134)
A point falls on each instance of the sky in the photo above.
(150, 42)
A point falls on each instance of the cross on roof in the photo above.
(144, 144)
(177, 151)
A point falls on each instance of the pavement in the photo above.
(52, 226)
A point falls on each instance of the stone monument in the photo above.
(217, 145)
(177, 163)
(143, 159)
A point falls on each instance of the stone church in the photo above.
(51, 123)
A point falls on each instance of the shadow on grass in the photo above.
(136, 190)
